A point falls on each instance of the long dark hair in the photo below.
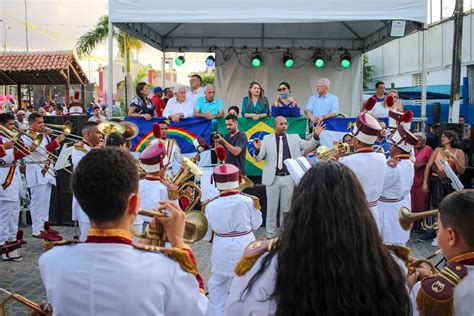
(453, 138)
(261, 97)
(138, 90)
(331, 259)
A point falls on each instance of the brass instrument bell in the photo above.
(407, 218)
(66, 127)
(130, 130)
(110, 127)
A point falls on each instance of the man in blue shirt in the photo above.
(323, 104)
(380, 92)
(209, 106)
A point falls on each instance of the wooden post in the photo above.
(68, 86)
(454, 101)
(83, 96)
(18, 86)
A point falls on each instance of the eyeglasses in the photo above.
(282, 89)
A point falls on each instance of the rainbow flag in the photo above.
(258, 129)
(184, 132)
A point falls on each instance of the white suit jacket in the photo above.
(268, 152)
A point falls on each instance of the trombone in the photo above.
(23, 300)
(407, 218)
(16, 137)
(195, 227)
(65, 129)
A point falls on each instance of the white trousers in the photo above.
(85, 226)
(9, 212)
(219, 287)
(280, 191)
(39, 206)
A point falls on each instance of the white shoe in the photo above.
(434, 243)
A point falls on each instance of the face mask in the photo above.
(285, 95)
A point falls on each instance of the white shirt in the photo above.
(370, 170)
(397, 184)
(12, 192)
(233, 213)
(174, 107)
(193, 96)
(77, 212)
(379, 111)
(33, 171)
(116, 279)
(151, 193)
(94, 118)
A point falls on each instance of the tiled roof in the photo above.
(39, 67)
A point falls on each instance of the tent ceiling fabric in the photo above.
(347, 24)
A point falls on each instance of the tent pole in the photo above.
(163, 68)
(423, 79)
(110, 84)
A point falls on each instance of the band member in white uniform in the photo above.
(90, 139)
(40, 175)
(399, 175)
(173, 153)
(450, 292)
(9, 191)
(232, 217)
(108, 274)
(368, 165)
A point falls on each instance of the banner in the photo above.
(184, 132)
(336, 128)
(258, 129)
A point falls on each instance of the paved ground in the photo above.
(23, 277)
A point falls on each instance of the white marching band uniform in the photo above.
(152, 191)
(173, 156)
(117, 279)
(9, 197)
(77, 213)
(231, 221)
(369, 167)
(40, 185)
(396, 191)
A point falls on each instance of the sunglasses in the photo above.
(282, 89)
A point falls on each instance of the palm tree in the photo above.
(92, 38)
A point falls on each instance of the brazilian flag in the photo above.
(258, 129)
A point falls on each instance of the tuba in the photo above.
(36, 308)
(187, 171)
(407, 218)
(195, 228)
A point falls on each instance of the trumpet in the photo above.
(407, 218)
(47, 310)
(195, 227)
(338, 150)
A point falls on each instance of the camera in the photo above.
(215, 135)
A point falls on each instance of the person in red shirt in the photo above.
(158, 101)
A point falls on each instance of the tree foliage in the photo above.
(367, 71)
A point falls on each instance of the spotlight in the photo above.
(256, 60)
(210, 61)
(180, 60)
(288, 60)
(318, 61)
(345, 60)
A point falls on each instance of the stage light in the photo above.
(345, 60)
(256, 60)
(288, 60)
(319, 61)
(210, 61)
(180, 60)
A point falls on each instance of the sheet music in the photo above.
(294, 169)
(63, 158)
(208, 189)
(455, 182)
(304, 163)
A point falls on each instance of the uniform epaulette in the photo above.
(204, 204)
(256, 200)
(436, 294)
(251, 254)
(392, 163)
(80, 146)
(180, 255)
(48, 245)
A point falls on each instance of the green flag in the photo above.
(258, 129)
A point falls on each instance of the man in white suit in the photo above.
(275, 176)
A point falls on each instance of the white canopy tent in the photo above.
(301, 27)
